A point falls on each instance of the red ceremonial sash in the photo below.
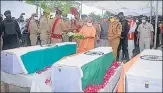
(131, 35)
(54, 25)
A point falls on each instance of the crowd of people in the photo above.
(127, 36)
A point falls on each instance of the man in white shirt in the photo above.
(145, 35)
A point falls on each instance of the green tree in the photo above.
(108, 13)
(64, 6)
(94, 16)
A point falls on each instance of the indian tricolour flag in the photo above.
(85, 72)
(28, 60)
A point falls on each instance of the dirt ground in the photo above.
(13, 88)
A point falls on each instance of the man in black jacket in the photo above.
(12, 35)
(124, 40)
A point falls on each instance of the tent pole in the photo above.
(156, 24)
(151, 12)
(81, 9)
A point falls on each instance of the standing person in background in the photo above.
(158, 33)
(124, 40)
(34, 29)
(96, 24)
(136, 50)
(132, 28)
(89, 31)
(104, 32)
(67, 22)
(78, 24)
(114, 34)
(56, 28)
(1, 41)
(22, 24)
(12, 35)
(29, 21)
(44, 28)
(161, 33)
(145, 35)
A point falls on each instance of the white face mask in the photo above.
(89, 24)
(35, 18)
(143, 21)
(137, 21)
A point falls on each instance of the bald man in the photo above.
(89, 31)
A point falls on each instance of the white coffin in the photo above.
(67, 73)
(11, 61)
(145, 75)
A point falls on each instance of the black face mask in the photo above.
(8, 17)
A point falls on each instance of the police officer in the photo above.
(33, 26)
(44, 28)
(12, 34)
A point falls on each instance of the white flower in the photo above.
(70, 34)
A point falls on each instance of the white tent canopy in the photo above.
(128, 7)
(17, 7)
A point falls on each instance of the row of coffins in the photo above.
(92, 71)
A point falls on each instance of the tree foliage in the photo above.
(94, 16)
(51, 5)
(108, 13)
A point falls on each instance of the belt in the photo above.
(58, 36)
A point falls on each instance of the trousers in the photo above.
(104, 43)
(130, 48)
(10, 42)
(124, 46)
(144, 44)
(114, 44)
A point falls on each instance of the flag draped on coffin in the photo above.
(83, 71)
(31, 59)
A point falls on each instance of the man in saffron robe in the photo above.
(114, 34)
(89, 32)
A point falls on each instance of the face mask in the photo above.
(35, 18)
(112, 20)
(143, 21)
(89, 24)
(137, 21)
